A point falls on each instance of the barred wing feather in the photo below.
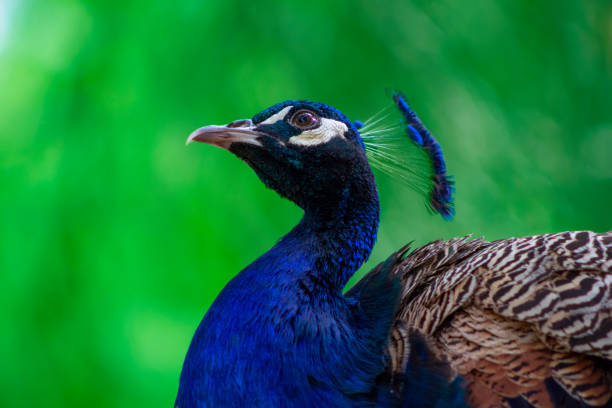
(524, 321)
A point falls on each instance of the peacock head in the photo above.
(308, 152)
(312, 154)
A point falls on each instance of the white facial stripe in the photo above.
(277, 116)
(323, 134)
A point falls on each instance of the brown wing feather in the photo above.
(516, 315)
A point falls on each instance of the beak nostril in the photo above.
(240, 123)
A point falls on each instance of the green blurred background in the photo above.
(115, 237)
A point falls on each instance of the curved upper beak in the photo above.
(239, 131)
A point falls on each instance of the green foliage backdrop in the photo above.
(115, 237)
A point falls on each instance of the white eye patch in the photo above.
(277, 116)
(322, 134)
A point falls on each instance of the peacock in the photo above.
(519, 322)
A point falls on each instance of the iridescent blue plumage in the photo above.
(282, 333)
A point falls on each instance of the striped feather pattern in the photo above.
(525, 321)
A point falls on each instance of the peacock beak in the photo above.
(239, 131)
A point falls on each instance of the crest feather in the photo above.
(405, 149)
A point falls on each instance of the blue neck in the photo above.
(335, 244)
(286, 310)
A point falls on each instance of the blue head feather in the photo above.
(323, 109)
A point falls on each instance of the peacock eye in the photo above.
(305, 119)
